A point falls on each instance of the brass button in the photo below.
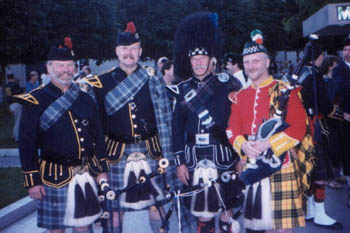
(83, 149)
(75, 121)
(79, 129)
(81, 139)
(135, 126)
(133, 116)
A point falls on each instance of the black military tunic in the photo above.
(322, 171)
(202, 148)
(135, 118)
(75, 137)
(132, 128)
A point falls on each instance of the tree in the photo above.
(29, 28)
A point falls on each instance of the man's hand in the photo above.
(262, 146)
(239, 167)
(37, 192)
(249, 149)
(102, 176)
(182, 173)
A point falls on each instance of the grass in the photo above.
(11, 186)
(6, 126)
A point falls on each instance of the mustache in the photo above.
(200, 67)
(128, 56)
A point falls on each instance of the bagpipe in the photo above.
(267, 162)
(106, 194)
(175, 196)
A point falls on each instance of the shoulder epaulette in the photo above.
(93, 81)
(28, 97)
(151, 71)
(232, 96)
(173, 88)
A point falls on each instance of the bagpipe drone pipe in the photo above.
(106, 194)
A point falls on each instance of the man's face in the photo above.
(346, 53)
(200, 65)
(169, 77)
(129, 55)
(34, 76)
(229, 67)
(61, 72)
(256, 66)
(319, 60)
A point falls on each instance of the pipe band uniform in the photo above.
(136, 116)
(200, 118)
(62, 147)
(266, 124)
(318, 106)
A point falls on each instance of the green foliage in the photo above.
(11, 186)
(29, 28)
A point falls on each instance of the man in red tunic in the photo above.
(281, 200)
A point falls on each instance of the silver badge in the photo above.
(223, 77)
(202, 139)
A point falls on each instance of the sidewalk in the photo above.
(9, 158)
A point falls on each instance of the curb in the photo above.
(16, 211)
(8, 152)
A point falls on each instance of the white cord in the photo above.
(222, 202)
(179, 211)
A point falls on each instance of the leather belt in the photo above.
(62, 160)
(137, 139)
(202, 139)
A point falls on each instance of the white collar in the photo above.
(348, 63)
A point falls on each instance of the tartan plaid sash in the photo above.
(53, 113)
(305, 150)
(120, 94)
(196, 98)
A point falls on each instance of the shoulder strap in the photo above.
(54, 112)
(120, 94)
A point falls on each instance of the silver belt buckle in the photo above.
(80, 169)
(202, 139)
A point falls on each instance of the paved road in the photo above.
(137, 222)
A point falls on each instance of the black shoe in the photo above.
(335, 226)
(309, 219)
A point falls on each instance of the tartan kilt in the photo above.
(287, 197)
(116, 175)
(51, 209)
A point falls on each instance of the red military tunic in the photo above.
(250, 107)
